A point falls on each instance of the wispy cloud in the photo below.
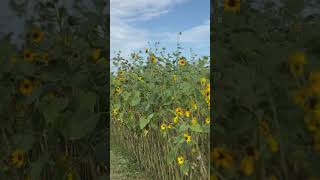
(128, 37)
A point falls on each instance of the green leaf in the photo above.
(144, 121)
(183, 127)
(52, 108)
(136, 98)
(79, 124)
(126, 96)
(184, 168)
(197, 128)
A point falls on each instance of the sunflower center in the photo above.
(35, 35)
(19, 157)
(26, 86)
(232, 3)
(250, 151)
(221, 155)
(28, 55)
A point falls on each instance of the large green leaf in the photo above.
(144, 121)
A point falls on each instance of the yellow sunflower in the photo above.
(120, 73)
(207, 120)
(194, 105)
(194, 121)
(163, 127)
(272, 177)
(152, 58)
(300, 96)
(174, 77)
(187, 113)
(314, 82)
(37, 35)
(26, 87)
(247, 165)
(222, 158)
(231, 5)
(203, 81)
(182, 61)
(264, 128)
(296, 62)
(28, 55)
(187, 137)
(180, 160)
(17, 158)
(70, 176)
(179, 111)
(118, 89)
(175, 120)
(273, 144)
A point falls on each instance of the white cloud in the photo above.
(127, 37)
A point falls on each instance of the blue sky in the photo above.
(134, 23)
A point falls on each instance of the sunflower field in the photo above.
(266, 90)
(54, 92)
(160, 112)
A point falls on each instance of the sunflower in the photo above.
(203, 81)
(17, 158)
(314, 82)
(96, 53)
(180, 160)
(179, 111)
(169, 126)
(118, 89)
(300, 96)
(312, 123)
(174, 77)
(26, 87)
(70, 176)
(120, 73)
(213, 177)
(115, 111)
(231, 5)
(222, 158)
(264, 128)
(175, 120)
(207, 120)
(152, 58)
(37, 35)
(163, 127)
(296, 62)
(187, 138)
(273, 144)
(194, 121)
(194, 105)
(247, 165)
(187, 113)
(272, 177)
(182, 61)
(28, 55)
